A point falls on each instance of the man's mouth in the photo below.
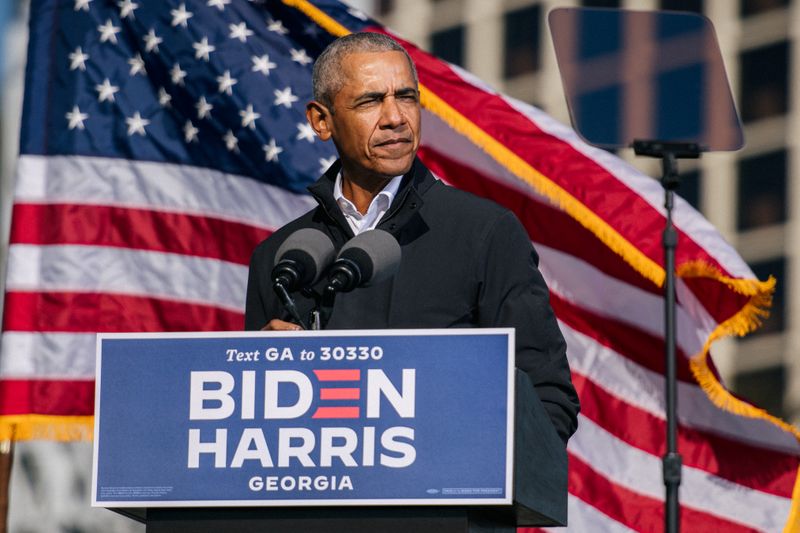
(393, 142)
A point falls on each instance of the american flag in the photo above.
(162, 141)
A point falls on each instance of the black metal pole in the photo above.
(672, 459)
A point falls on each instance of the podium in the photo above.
(461, 441)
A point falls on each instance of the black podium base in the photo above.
(330, 520)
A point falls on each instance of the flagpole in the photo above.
(670, 180)
(6, 462)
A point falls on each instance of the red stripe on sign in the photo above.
(773, 472)
(338, 375)
(336, 412)
(47, 397)
(339, 394)
(141, 229)
(635, 510)
(79, 312)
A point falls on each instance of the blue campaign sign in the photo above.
(311, 418)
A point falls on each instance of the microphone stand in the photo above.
(669, 152)
(345, 276)
(326, 306)
(288, 302)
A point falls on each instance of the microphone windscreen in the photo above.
(309, 248)
(376, 252)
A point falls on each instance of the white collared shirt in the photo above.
(377, 208)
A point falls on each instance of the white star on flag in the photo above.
(231, 142)
(203, 49)
(219, 4)
(108, 32)
(226, 82)
(263, 64)
(249, 117)
(180, 16)
(82, 5)
(240, 31)
(126, 8)
(285, 97)
(151, 41)
(325, 163)
(177, 74)
(305, 132)
(272, 150)
(77, 59)
(164, 98)
(300, 56)
(190, 132)
(106, 91)
(137, 65)
(276, 26)
(357, 14)
(76, 118)
(136, 124)
(203, 108)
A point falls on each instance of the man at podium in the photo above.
(466, 262)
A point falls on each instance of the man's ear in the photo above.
(319, 117)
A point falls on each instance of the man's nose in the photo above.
(391, 115)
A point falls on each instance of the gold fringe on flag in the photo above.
(46, 427)
(318, 16)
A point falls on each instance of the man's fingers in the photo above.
(280, 325)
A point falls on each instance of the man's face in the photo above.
(375, 120)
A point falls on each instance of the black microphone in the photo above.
(368, 258)
(302, 258)
(299, 262)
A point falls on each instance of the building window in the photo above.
(765, 82)
(776, 322)
(689, 188)
(764, 388)
(762, 190)
(695, 6)
(522, 41)
(754, 7)
(449, 45)
(597, 116)
(385, 7)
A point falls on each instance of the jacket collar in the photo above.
(407, 202)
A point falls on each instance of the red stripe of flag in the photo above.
(338, 375)
(47, 397)
(339, 394)
(141, 229)
(637, 511)
(628, 341)
(773, 473)
(336, 412)
(81, 312)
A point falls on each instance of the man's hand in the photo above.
(280, 325)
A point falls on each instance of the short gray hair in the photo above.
(327, 79)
